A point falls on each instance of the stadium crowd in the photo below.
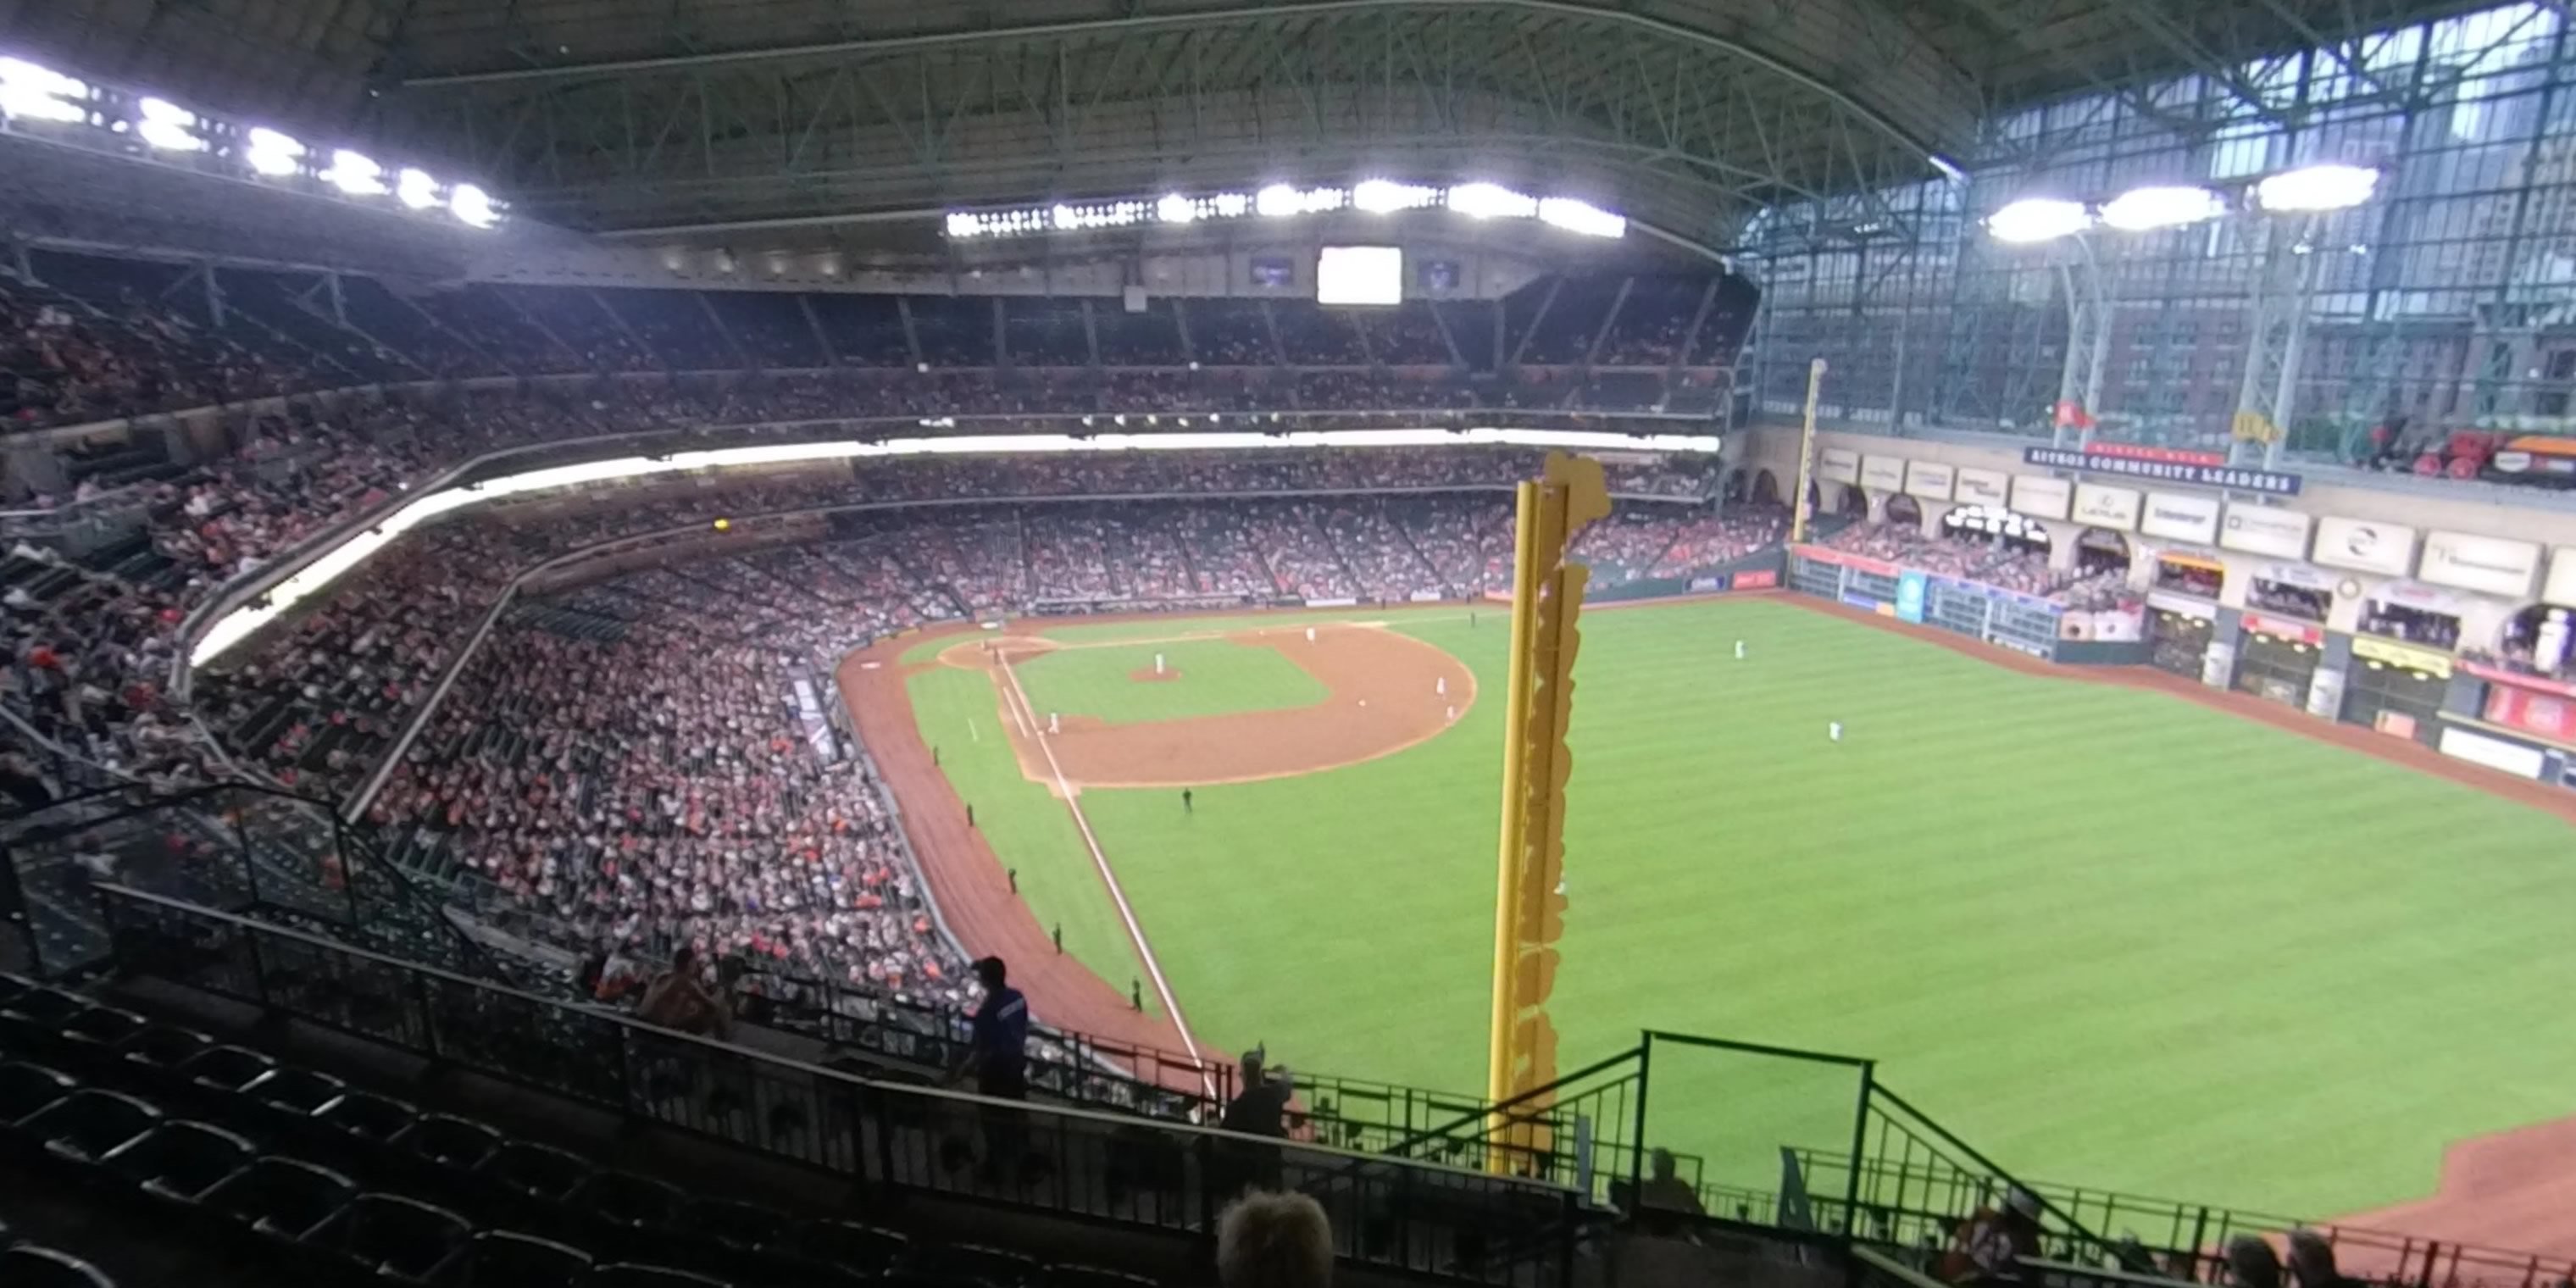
(1989, 561)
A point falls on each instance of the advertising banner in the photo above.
(1757, 579)
(1704, 585)
(2042, 497)
(1883, 473)
(2167, 455)
(1426, 597)
(1909, 596)
(2403, 657)
(2499, 675)
(2494, 753)
(2488, 564)
(2532, 711)
(1928, 478)
(1838, 465)
(1837, 558)
(2181, 517)
(2232, 478)
(2265, 530)
(2197, 610)
(2364, 545)
(2106, 507)
(1983, 487)
(2299, 575)
(2280, 629)
(2561, 587)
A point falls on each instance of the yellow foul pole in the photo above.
(1799, 509)
(1547, 594)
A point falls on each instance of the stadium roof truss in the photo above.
(1688, 115)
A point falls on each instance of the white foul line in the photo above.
(1135, 933)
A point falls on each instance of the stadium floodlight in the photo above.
(355, 174)
(1278, 201)
(965, 223)
(414, 188)
(2145, 209)
(168, 126)
(1949, 169)
(2317, 188)
(2038, 219)
(1231, 205)
(1581, 217)
(272, 154)
(1175, 209)
(472, 206)
(36, 93)
(1385, 196)
(1492, 201)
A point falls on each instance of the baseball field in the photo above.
(2110, 935)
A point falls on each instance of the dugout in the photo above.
(2396, 689)
(2178, 635)
(2277, 660)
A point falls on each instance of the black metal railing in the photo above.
(1397, 1214)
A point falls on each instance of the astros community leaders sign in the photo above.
(2232, 477)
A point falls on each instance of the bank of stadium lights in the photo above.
(34, 94)
(1287, 201)
(2315, 189)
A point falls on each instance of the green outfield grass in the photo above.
(1216, 677)
(2110, 937)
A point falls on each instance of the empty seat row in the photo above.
(350, 1184)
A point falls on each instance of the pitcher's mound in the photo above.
(1149, 675)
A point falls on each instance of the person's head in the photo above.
(1661, 1161)
(2251, 1262)
(2312, 1260)
(990, 972)
(2022, 1203)
(684, 961)
(1271, 1240)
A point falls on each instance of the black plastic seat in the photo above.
(507, 1259)
(628, 1274)
(458, 1144)
(1094, 1277)
(225, 1070)
(26, 1088)
(180, 1161)
(283, 1198)
(92, 1037)
(88, 1124)
(29, 1266)
(396, 1238)
(159, 1049)
(537, 1171)
(626, 1201)
(33, 1020)
(966, 1261)
(863, 1248)
(736, 1224)
(366, 1116)
(289, 1097)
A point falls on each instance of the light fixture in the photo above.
(1175, 209)
(2162, 206)
(1278, 201)
(1581, 217)
(272, 154)
(40, 93)
(355, 174)
(2332, 186)
(472, 206)
(1492, 201)
(414, 188)
(2038, 219)
(168, 126)
(1385, 196)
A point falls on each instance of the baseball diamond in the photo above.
(2032, 896)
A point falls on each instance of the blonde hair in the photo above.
(1269, 1240)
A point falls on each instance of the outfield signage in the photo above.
(1983, 487)
(1883, 473)
(2501, 676)
(2233, 478)
(1824, 555)
(2400, 656)
(2532, 711)
(2494, 753)
(2487, 564)
(2106, 507)
(1928, 479)
(2179, 517)
(1838, 465)
(2279, 629)
(2364, 545)
(2042, 497)
(1909, 596)
(2265, 530)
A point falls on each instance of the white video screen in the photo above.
(1360, 275)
